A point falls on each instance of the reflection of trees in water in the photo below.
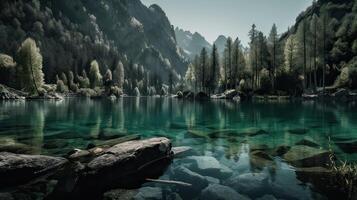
(37, 119)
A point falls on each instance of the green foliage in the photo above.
(291, 53)
(83, 80)
(94, 75)
(118, 75)
(289, 82)
(29, 75)
(342, 79)
(265, 83)
(6, 61)
(61, 87)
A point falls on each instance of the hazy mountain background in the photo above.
(191, 43)
(72, 33)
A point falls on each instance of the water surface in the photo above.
(219, 129)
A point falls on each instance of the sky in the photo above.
(234, 18)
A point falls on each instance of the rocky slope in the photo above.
(191, 43)
(71, 33)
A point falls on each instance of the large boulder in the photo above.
(306, 156)
(122, 165)
(17, 169)
(220, 192)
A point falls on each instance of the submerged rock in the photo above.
(281, 150)
(298, 131)
(251, 132)
(120, 194)
(198, 181)
(181, 151)
(220, 192)
(12, 146)
(307, 142)
(305, 156)
(266, 197)
(209, 166)
(347, 146)
(16, 169)
(251, 184)
(151, 193)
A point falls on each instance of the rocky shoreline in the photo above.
(85, 173)
(7, 93)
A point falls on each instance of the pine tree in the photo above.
(314, 28)
(214, 75)
(253, 54)
(203, 66)
(229, 68)
(273, 48)
(29, 75)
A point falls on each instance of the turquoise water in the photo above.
(224, 130)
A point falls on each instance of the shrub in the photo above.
(61, 87)
(94, 75)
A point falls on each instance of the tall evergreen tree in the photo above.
(214, 75)
(314, 30)
(203, 66)
(229, 68)
(273, 48)
(253, 54)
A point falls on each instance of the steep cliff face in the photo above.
(191, 43)
(71, 33)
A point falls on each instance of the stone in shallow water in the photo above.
(220, 192)
(347, 146)
(120, 194)
(18, 168)
(266, 197)
(251, 184)
(149, 193)
(185, 175)
(181, 151)
(305, 156)
(212, 180)
(253, 132)
(11, 145)
(298, 131)
(281, 150)
(307, 142)
(209, 166)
